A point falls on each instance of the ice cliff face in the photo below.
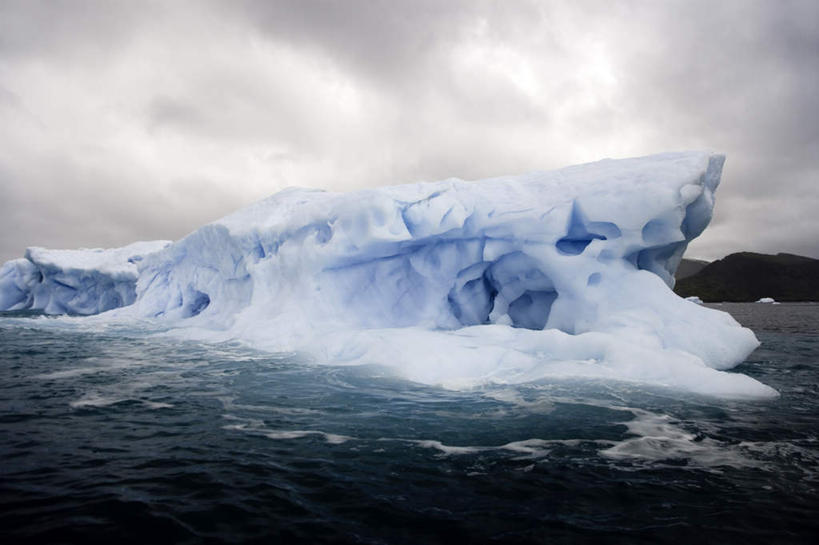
(445, 254)
(457, 283)
(73, 281)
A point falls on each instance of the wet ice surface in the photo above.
(120, 435)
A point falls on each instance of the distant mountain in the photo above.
(747, 276)
(689, 267)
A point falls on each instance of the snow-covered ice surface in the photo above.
(456, 283)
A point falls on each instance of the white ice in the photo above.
(456, 283)
(86, 281)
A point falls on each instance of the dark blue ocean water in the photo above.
(116, 436)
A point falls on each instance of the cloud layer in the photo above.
(125, 121)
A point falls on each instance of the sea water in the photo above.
(116, 435)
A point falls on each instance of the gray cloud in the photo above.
(125, 121)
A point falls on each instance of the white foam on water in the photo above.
(660, 439)
(69, 373)
(446, 449)
(157, 404)
(331, 438)
(531, 448)
(258, 427)
(513, 396)
(95, 399)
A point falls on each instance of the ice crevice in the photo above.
(456, 283)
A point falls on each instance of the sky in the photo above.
(124, 121)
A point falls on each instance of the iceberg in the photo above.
(86, 281)
(566, 273)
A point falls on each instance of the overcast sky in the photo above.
(124, 121)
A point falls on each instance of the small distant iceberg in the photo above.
(694, 299)
(768, 300)
(454, 283)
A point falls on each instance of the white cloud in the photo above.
(128, 121)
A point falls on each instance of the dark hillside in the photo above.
(689, 267)
(747, 276)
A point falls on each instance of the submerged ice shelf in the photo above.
(563, 273)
